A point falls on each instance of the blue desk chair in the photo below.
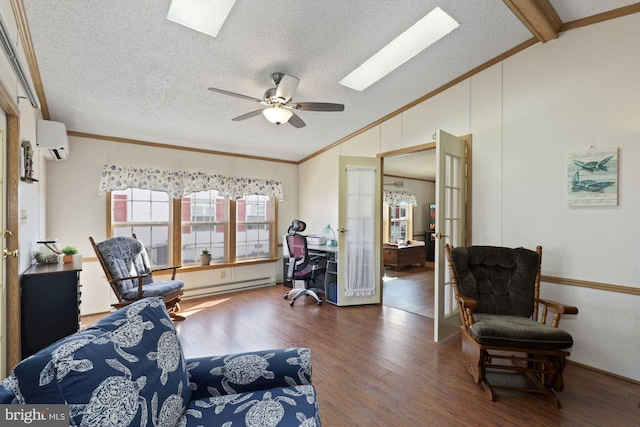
(301, 265)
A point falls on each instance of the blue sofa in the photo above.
(129, 369)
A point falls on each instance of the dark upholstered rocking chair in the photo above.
(127, 268)
(498, 296)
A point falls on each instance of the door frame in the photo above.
(11, 276)
(469, 162)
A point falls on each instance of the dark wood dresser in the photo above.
(50, 307)
(402, 256)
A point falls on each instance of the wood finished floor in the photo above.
(378, 366)
(410, 289)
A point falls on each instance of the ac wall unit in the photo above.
(51, 138)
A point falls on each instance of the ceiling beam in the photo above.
(538, 16)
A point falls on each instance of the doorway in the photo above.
(409, 287)
(424, 162)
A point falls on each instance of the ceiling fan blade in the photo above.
(296, 121)
(237, 95)
(287, 87)
(247, 116)
(318, 106)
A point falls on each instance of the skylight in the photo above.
(205, 16)
(414, 40)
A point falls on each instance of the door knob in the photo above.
(6, 253)
(342, 229)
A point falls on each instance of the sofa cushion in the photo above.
(129, 367)
(250, 371)
(285, 406)
(516, 331)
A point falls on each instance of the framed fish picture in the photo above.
(592, 177)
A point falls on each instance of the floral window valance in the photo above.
(180, 183)
(395, 197)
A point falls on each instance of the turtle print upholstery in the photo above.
(129, 369)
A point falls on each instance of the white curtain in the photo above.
(361, 230)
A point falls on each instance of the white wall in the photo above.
(31, 195)
(526, 114)
(75, 211)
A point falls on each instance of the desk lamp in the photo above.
(326, 230)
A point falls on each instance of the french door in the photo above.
(450, 226)
(359, 225)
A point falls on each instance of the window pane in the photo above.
(204, 217)
(145, 213)
(140, 211)
(160, 211)
(253, 241)
(253, 227)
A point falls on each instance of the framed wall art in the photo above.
(592, 177)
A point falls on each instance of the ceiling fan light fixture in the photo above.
(277, 115)
(428, 30)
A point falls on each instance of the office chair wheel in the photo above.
(291, 303)
(319, 302)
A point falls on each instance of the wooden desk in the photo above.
(402, 256)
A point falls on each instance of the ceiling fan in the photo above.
(279, 102)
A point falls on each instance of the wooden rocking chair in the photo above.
(127, 268)
(498, 295)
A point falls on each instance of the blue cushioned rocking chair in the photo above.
(126, 265)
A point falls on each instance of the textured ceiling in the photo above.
(120, 68)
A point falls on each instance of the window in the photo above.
(253, 227)
(204, 220)
(232, 230)
(146, 214)
(398, 222)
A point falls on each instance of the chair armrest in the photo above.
(467, 302)
(166, 268)
(173, 268)
(317, 258)
(466, 306)
(559, 309)
(128, 278)
(246, 372)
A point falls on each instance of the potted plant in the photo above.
(69, 252)
(205, 257)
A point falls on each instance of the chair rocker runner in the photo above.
(301, 265)
(498, 296)
(126, 265)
